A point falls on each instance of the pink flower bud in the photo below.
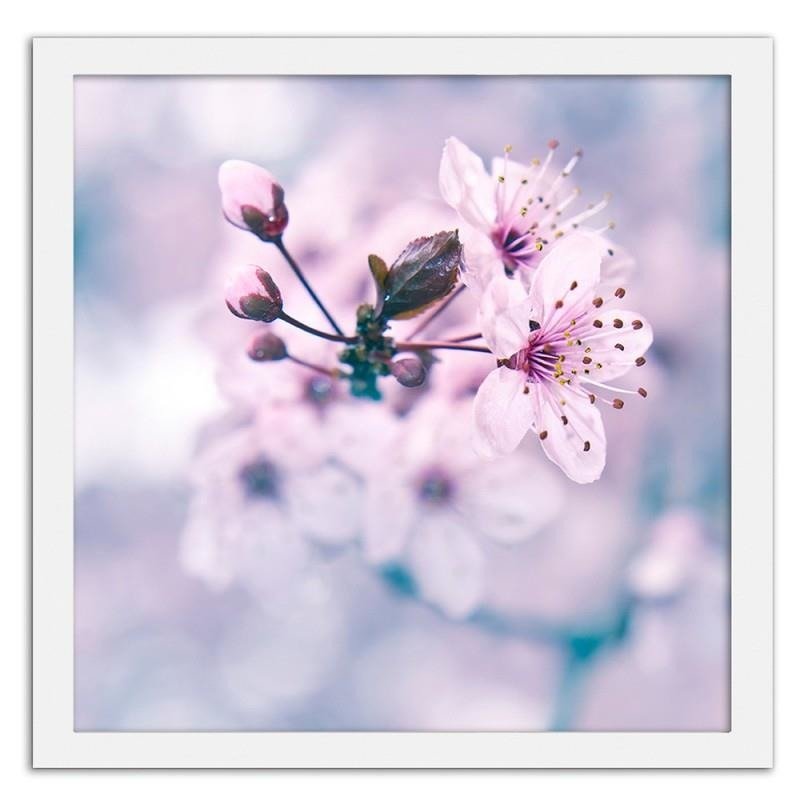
(250, 293)
(409, 371)
(267, 346)
(252, 199)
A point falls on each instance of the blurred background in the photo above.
(611, 615)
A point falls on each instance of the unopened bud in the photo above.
(409, 371)
(267, 346)
(252, 199)
(250, 293)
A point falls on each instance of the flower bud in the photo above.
(409, 371)
(252, 199)
(267, 346)
(250, 293)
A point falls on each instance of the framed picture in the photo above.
(394, 402)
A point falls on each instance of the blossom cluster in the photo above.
(419, 452)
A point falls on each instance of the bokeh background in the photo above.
(614, 615)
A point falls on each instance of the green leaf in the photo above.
(424, 273)
(379, 270)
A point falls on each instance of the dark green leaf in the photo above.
(425, 272)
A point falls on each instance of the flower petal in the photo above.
(503, 316)
(616, 267)
(573, 261)
(617, 346)
(489, 498)
(244, 184)
(325, 503)
(389, 511)
(482, 262)
(566, 443)
(502, 412)
(465, 185)
(448, 565)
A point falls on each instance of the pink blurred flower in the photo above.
(516, 212)
(676, 552)
(430, 499)
(252, 199)
(558, 345)
(265, 493)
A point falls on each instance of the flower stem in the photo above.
(331, 337)
(427, 321)
(278, 242)
(330, 372)
(470, 337)
(442, 346)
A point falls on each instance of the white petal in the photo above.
(482, 262)
(448, 565)
(565, 444)
(389, 514)
(635, 342)
(574, 260)
(465, 184)
(502, 412)
(503, 316)
(325, 503)
(490, 497)
(616, 269)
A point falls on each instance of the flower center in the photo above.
(260, 479)
(435, 487)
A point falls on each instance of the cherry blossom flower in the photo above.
(558, 346)
(265, 495)
(431, 502)
(517, 213)
(252, 199)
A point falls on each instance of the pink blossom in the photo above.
(674, 555)
(266, 494)
(516, 213)
(250, 293)
(558, 345)
(252, 199)
(432, 503)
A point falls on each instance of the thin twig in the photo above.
(278, 242)
(470, 337)
(330, 372)
(427, 321)
(441, 346)
(331, 337)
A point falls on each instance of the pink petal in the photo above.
(489, 499)
(605, 344)
(574, 260)
(503, 316)
(482, 263)
(502, 412)
(616, 267)
(565, 444)
(448, 565)
(465, 184)
(389, 511)
(244, 184)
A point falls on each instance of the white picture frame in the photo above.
(748, 62)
